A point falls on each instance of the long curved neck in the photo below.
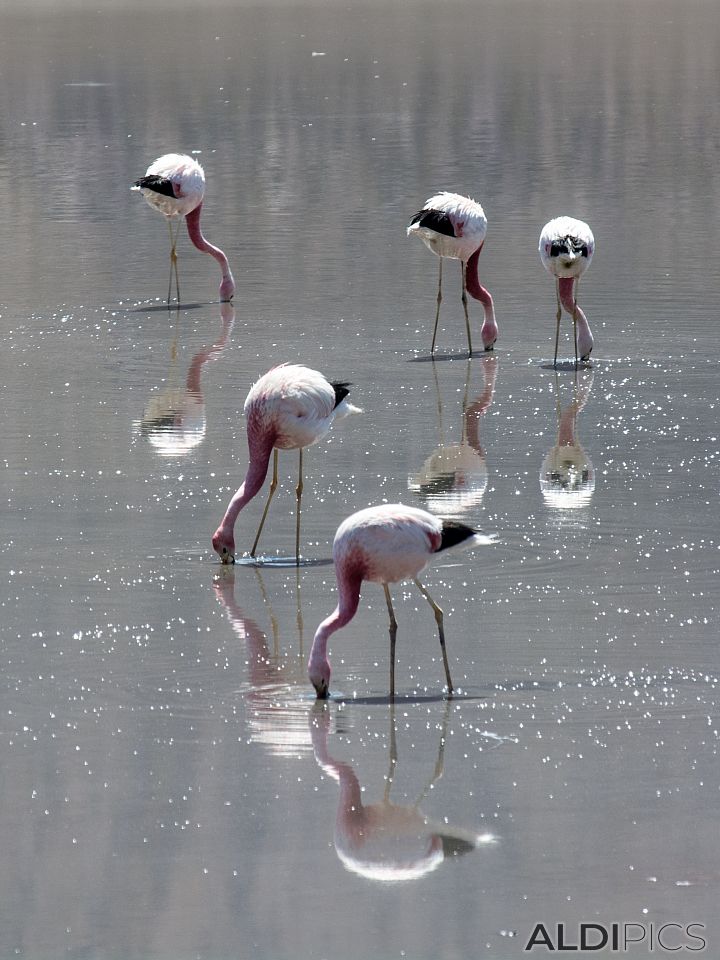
(566, 292)
(476, 290)
(260, 451)
(227, 287)
(350, 813)
(477, 409)
(348, 600)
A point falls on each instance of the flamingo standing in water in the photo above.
(174, 185)
(289, 408)
(566, 249)
(455, 227)
(384, 544)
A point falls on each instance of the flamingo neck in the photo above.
(566, 291)
(350, 814)
(348, 600)
(254, 478)
(476, 290)
(227, 287)
(566, 427)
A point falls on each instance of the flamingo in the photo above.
(174, 185)
(289, 408)
(384, 544)
(454, 226)
(566, 249)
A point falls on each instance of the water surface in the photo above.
(170, 788)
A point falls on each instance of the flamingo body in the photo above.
(566, 248)
(450, 225)
(174, 185)
(288, 408)
(454, 227)
(383, 544)
(388, 543)
(294, 404)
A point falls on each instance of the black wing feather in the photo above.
(454, 533)
(341, 391)
(434, 220)
(157, 185)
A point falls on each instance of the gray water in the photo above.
(170, 787)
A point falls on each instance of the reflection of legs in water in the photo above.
(439, 763)
(271, 612)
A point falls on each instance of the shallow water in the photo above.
(171, 789)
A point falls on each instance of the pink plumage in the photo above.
(289, 408)
(174, 185)
(454, 226)
(384, 544)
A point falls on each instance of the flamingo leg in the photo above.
(173, 261)
(463, 266)
(574, 315)
(299, 613)
(441, 632)
(273, 486)
(557, 322)
(298, 495)
(437, 311)
(393, 635)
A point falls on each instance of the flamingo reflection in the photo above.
(174, 421)
(567, 476)
(276, 717)
(386, 841)
(454, 477)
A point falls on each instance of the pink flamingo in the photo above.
(174, 185)
(566, 249)
(455, 227)
(289, 408)
(384, 544)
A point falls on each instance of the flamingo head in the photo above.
(227, 289)
(319, 673)
(567, 256)
(224, 545)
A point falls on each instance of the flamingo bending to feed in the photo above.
(289, 408)
(384, 544)
(455, 227)
(174, 185)
(566, 249)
